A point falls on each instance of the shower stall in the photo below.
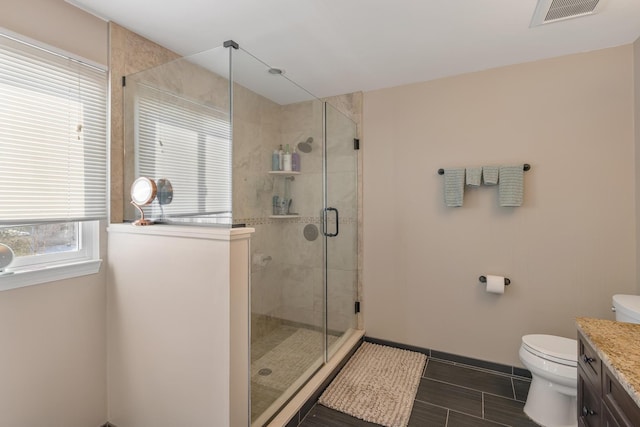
(213, 124)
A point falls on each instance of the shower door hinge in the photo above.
(124, 81)
(356, 144)
(357, 307)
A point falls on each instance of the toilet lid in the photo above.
(628, 304)
(552, 348)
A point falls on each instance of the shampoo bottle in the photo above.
(295, 161)
(275, 160)
(280, 158)
(287, 159)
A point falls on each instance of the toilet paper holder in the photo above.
(483, 279)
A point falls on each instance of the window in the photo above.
(188, 143)
(53, 158)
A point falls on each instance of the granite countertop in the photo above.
(618, 346)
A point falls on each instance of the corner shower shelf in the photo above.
(286, 173)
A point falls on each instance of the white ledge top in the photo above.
(186, 231)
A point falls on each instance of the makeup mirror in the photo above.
(6, 257)
(143, 191)
(165, 191)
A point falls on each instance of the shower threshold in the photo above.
(300, 392)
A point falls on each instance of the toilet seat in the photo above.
(552, 348)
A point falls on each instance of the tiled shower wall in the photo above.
(290, 285)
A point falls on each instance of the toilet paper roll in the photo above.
(495, 284)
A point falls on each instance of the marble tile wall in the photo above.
(299, 281)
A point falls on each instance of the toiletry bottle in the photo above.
(295, 161)
(275, 161)
(280, 158)
(287, 159)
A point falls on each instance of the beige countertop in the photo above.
(618, 346)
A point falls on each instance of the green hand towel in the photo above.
(490, 175)
(454, 187)
(510, 191)
(474, 176)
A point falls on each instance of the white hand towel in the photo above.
(474, 176)
(490, 175)
(454, 187)
(510, 191)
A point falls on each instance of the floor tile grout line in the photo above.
(446, 420)
(513, 389)
(482, 404)
(476, 368)
(484, 419)
(469, 388)
(440, 406)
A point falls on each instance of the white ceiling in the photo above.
(332, 47)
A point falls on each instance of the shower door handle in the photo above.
(324, 229)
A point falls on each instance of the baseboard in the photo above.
(455, 358)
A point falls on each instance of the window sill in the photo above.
(19, 279)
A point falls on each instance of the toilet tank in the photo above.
(627, 308)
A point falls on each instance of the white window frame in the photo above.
(44, 268)
(38, 269)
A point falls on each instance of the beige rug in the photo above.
(378, 384)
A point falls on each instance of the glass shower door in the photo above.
(340, 227)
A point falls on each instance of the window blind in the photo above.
(190, 145)
(53, 136)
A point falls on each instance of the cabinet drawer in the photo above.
(623, 408)
(589, 402)
(589, 361)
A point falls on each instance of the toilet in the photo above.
(552, 361)
(627, 308)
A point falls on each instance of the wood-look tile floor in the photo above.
(451, 395)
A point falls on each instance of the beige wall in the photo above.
(57, 24)
(53, 336)
(567, 250)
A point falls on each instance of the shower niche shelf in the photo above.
(288, 176)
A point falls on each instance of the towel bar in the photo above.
(525, 168)
(483, 279)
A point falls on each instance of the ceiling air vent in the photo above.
(548, 11)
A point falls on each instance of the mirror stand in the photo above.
(142, 220)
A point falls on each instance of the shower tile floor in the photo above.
(278, 359)
(451, 395)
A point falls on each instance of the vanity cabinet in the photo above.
(602, 401)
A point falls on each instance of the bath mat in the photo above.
(378, 384)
